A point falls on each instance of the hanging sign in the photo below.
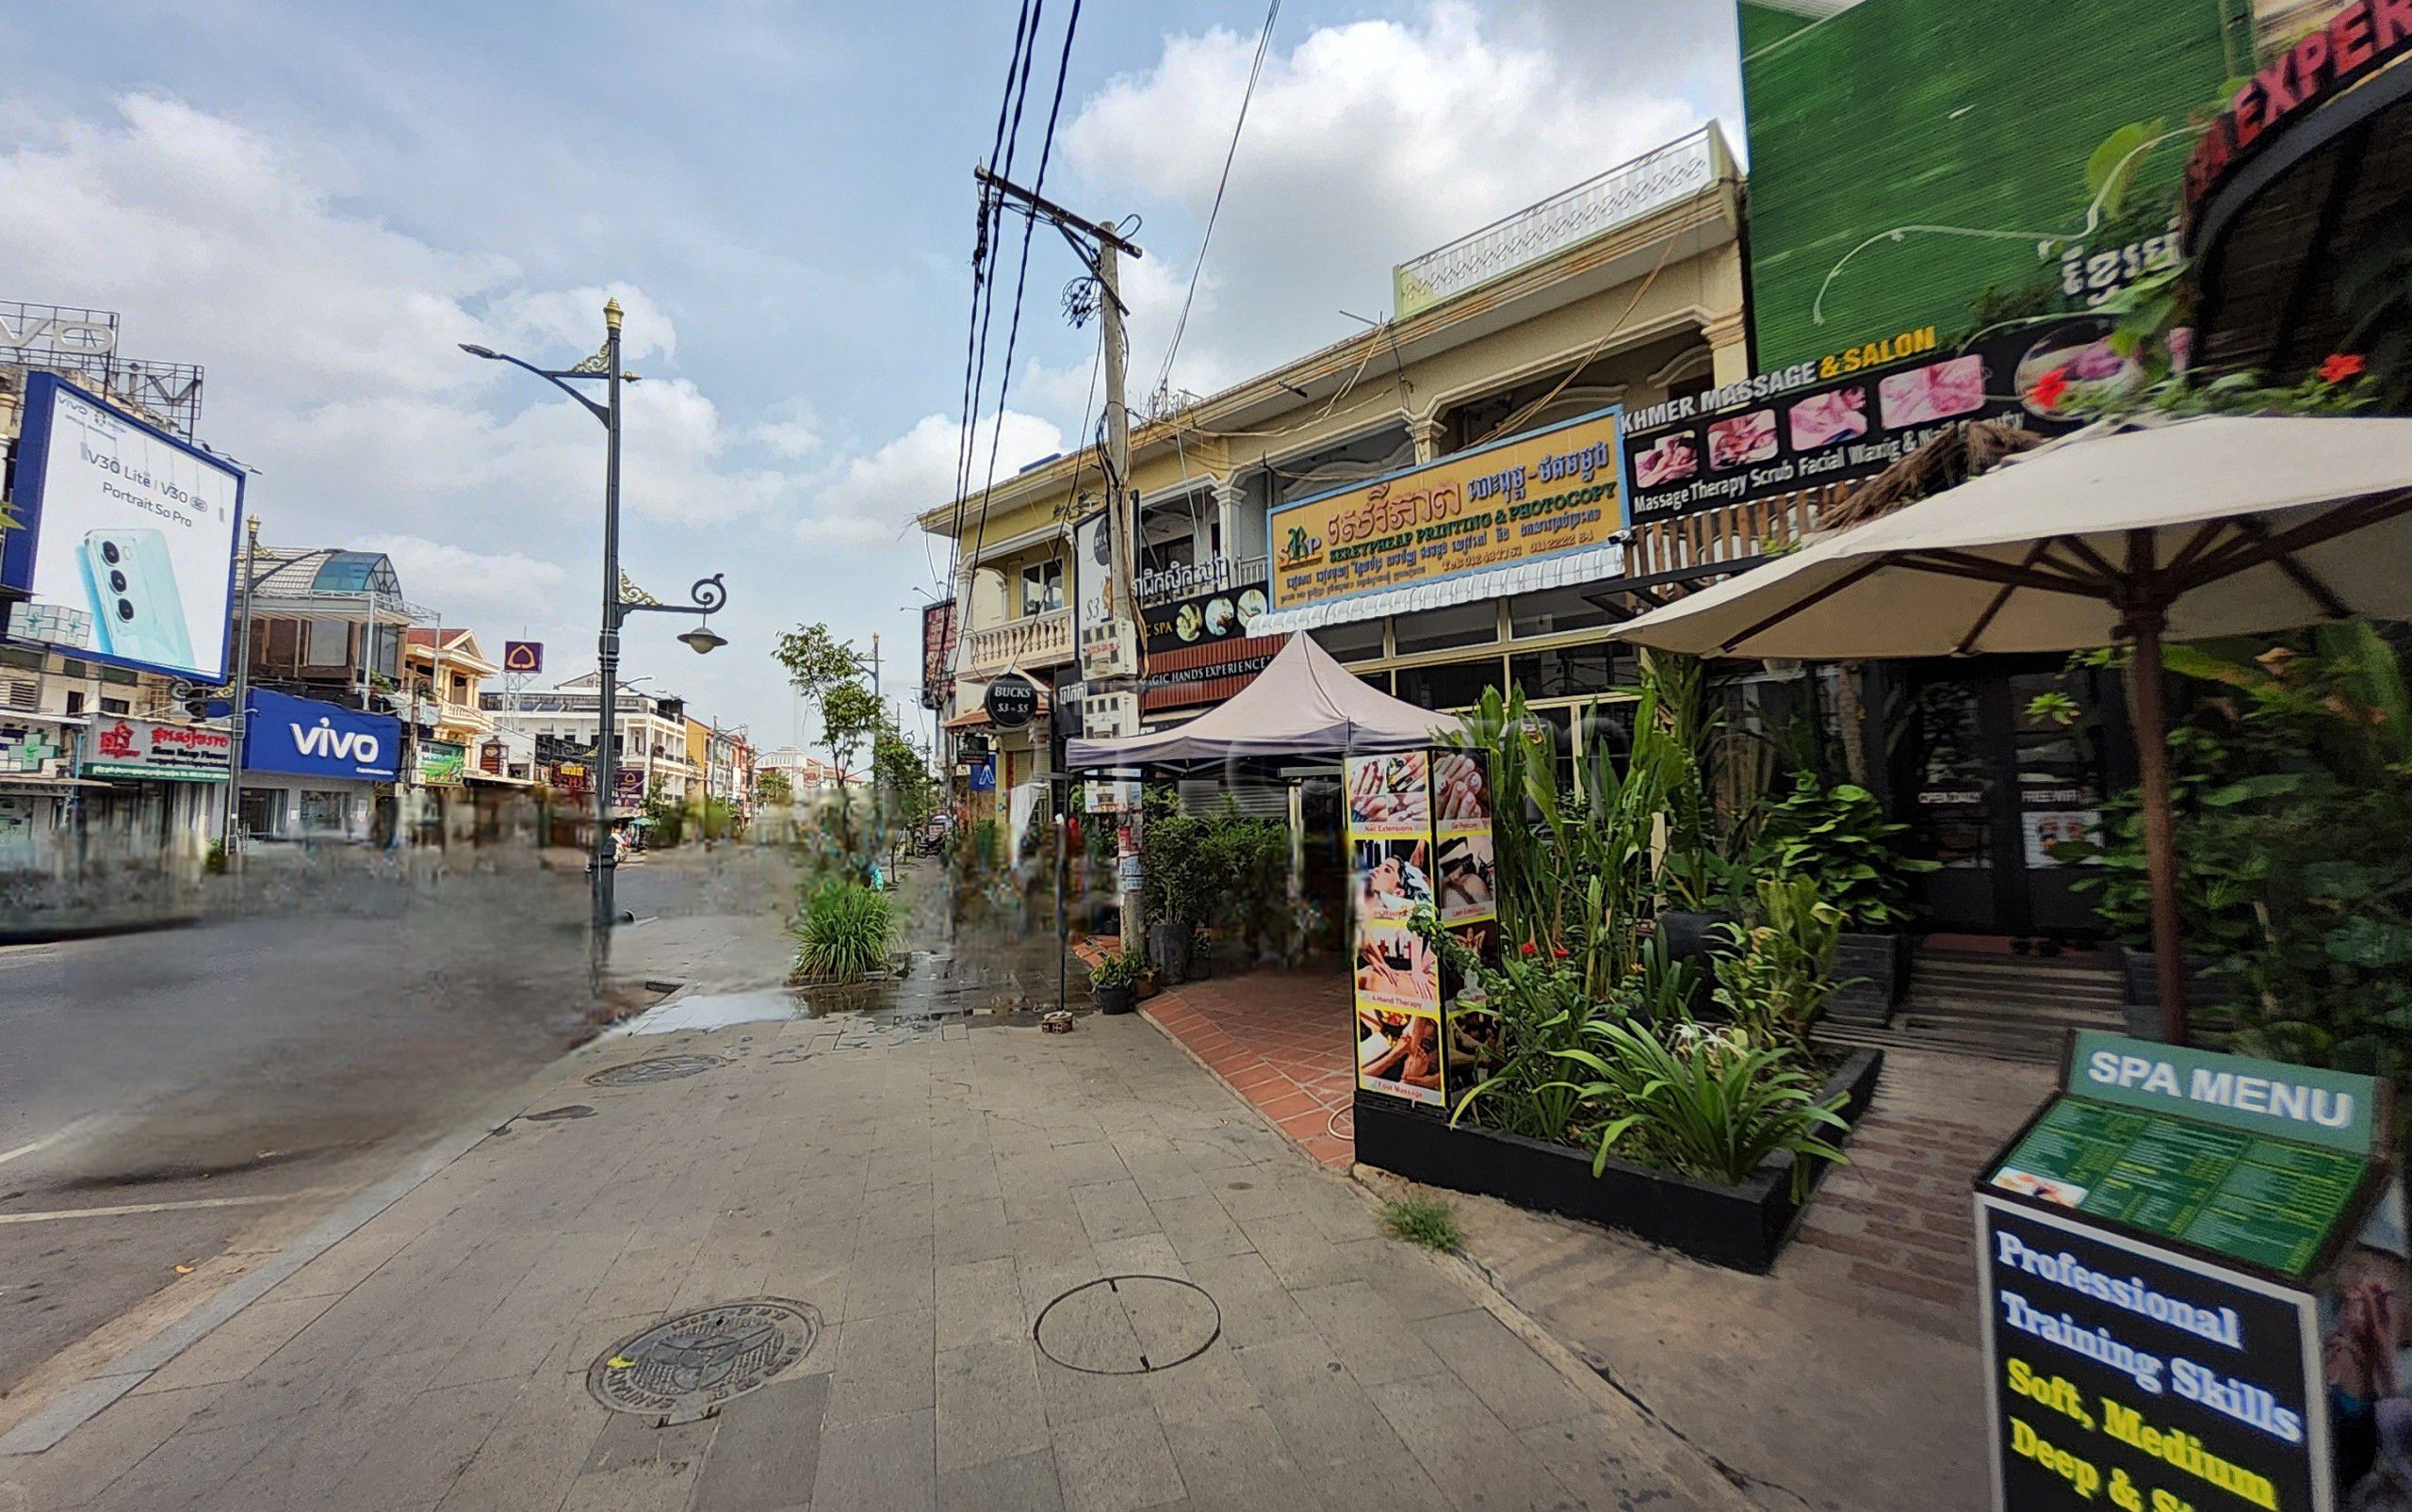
(523, 656)
(1011, 703)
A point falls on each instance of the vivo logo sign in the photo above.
(324, 740)
(88, 339)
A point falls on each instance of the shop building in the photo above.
(1620, 292)
(314, 772)
(649, 735)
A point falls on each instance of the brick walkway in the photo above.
(1281, 1040)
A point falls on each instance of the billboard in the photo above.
(1950, 162)
(146, 749)
(128, 541)
(1533, 496)
(940, 625)
(1851, 415)
(308, 738)
(523, 657)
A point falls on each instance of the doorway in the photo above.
(1998, 762)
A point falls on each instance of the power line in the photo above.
(1263, 40)
(1030, 223)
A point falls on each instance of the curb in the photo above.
(61, 934)
(71, 1407)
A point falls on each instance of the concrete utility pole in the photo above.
(1100, 250)
(230, 839)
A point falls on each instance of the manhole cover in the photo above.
(684, 1368)
(1127, 1325)
(661, 1068)
(575, 1110)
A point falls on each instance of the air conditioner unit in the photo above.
(1110, 716)
(1109, 650)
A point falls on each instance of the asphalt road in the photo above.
(166, 1097)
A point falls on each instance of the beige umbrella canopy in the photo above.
(2183, 530)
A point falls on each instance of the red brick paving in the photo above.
(1280, 1039)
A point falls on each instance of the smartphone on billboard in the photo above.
(136, 611)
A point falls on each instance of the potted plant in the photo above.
(1839, 838)
(1177, 889)
(1113, 981)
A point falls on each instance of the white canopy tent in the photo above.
(1303, 705)
(2140, 532)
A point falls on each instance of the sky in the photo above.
(319, 201)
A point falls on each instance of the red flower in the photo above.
(2341, 365)
(1559, 950)
(1530, 949)
(2048, 388)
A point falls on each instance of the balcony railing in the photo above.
(1036, 641)
(1622, 195)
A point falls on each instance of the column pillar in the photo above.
(1426, 432)
(1729, 348)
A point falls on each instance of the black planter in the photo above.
(1168, 947)
(2142, 972)
(1742, 1227)
(1874, 969)
(1115, 1000)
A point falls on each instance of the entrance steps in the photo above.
(2001, 1007)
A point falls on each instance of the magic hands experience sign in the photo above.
(1530, 497)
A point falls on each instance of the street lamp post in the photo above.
(709, 593)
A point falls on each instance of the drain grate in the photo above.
(659, 1068)
(685, 1366)
(1127, 1325)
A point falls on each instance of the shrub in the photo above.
(1706, 1102)
(1777, 978)
(1120, 968)
(1839, 838)
(1424, 1221)
(844, 931)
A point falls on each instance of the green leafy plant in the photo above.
(1839, 838)
(1425, 1221)
(1180, 884)
(1118, 968)
(1779, 972)
(844, 931)
(1709, 1104)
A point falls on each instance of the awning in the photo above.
(1304, 705)
(1523, 578)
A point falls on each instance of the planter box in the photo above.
(2143, 981)
(1115, 1000)
(1739, 1227)
(1876, 968)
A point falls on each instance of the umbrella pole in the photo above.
(2151, 723)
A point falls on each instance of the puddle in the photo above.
(705, 1011)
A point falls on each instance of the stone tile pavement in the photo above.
(1279, 1039)
(928, 1192)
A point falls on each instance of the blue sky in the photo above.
(317, 200)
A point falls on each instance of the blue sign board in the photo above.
(308, 738)
(984, 774)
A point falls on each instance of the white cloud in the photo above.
(1367, 145)
(572, 319)
(869, 499)
(469, 581)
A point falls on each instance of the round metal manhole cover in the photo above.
(1127, 1325)
(659, 1068)
(685, 1367)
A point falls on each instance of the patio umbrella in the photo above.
(2142, 532)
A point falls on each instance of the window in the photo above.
(1445, 629)
(116, 706)
(1560, 609)
(1450, 685)
(1042, 587)
(459, 687)
(322, 811)
(1572, 671)
(1351, 642)
(74, 700)
(326, 643)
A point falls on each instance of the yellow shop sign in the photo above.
(1532, 496)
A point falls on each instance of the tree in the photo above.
(772, 787)
(903, 773)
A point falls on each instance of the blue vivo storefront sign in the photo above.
(309, 739)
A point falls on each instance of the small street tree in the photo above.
(772, 787)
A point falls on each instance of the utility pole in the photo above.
(230, 839)
(1099, 251)
(606, 643)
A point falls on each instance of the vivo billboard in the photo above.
(308, 738)
(126, 541)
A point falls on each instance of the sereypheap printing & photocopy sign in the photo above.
(308, 738)
(2172, 1251)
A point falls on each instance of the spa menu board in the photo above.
(1419, 836)
(2122, 1375)
(2268, 1202)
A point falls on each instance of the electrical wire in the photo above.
(1021, 275)
(1256, 68)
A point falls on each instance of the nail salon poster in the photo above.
(1397, 993)
(1852, 413)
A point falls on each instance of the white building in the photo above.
(649, 734)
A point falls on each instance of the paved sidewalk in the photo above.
(927, 1190)
(1280, 1039)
